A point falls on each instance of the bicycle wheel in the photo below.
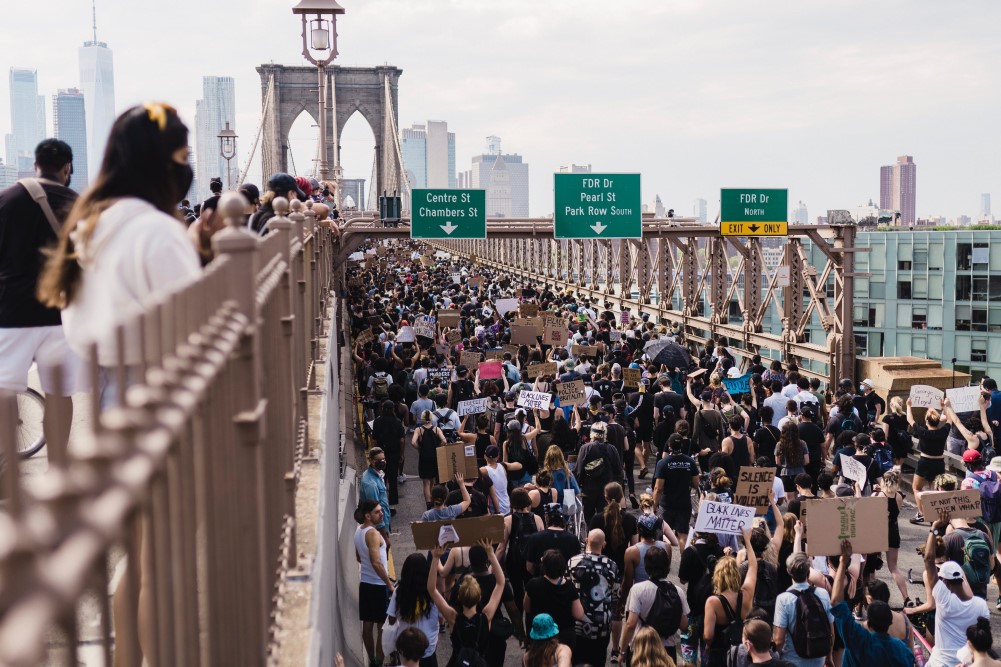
(30, 414)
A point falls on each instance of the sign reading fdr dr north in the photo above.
(448, 214)
(753, 212)
(598, 206)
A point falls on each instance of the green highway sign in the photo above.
(597, 206)
(754, 212)
(448, 214)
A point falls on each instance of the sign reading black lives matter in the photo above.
(723, 518)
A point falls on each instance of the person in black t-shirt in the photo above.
(767, 437)
(555, 536)
(813, 436)
(675, 476)
(555, 594)
(931, 445)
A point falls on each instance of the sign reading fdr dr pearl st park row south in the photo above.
(448, 214)
(597, 206)
(753, 212)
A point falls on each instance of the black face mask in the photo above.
(182, 177)
(380, 465)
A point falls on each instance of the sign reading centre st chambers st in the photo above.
(597, 206)
(753, 212)
(448, 214)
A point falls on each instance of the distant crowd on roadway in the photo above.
(597, 440)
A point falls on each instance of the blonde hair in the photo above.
(890, 483)
(788, 527)
(715, 380)
(469, 592)
(646, 502)
(897, 405)
(648, 649)
(726, 576)
(426, 417)
(554, 459)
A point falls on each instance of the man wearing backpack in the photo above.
(656, 602)
(445, 419)
(973, 550)
(595, 576)
(379, 381)
(804, 624)
(518, 526)
(597, 464)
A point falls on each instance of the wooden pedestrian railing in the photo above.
(164, 537)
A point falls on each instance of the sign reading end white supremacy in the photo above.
(723, 518)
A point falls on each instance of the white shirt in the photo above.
(135, 254)
(640, 602)
(952, 617)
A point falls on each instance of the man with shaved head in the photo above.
(597, 579)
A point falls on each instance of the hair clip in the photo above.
(157, 113)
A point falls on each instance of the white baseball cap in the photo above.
(951, 571)
(869, 383)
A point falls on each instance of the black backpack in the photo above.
(811, 635)
(767, 588)
(444, 423)
(522, 525)
(665, 613)
(462, 390)
(595, 471)
(733, 633)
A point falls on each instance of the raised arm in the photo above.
(495, 597)
(444, 608)
(838, 592)
(751, 578)
(910, 414)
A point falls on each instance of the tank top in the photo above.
(546, 423)
(741, 457)
(482, 442)
(465, 634)
(498, 476)
(545, 497)
(639, 572)
(428, 442)
(368, 573)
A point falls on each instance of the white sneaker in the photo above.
(402, 478)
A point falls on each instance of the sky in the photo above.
(695, 95)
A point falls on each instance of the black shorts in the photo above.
(373, 600)
(644, 432)
(679, 520)
(929, 469)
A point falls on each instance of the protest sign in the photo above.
(924, 396)
(488, 311)
(534, 400)
(365, 337)
(466, 532)
(475, 282)
(753, 485)
(457, 458)
(624, 317)
(426, 261)
(537, 369)
(457, 278)
(491, 370)
(448, 319)
(453, 337)
(861, 520)
(493, 354)
(724, 518)
(469, 359)
(570, 393)
(737, 386)
(474, 406)
(523, 335)
(505, 306)
(443, 375)
(631, 377)
(513, 349)
(584, 350)
(959, 504)
(406, 335)
(964, 399)
(375, 321)
(697, 373)
(614, 336)
(441, 348)
(528, 309)
(424, 326)
(852, 469)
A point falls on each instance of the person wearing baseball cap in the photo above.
(279, 185)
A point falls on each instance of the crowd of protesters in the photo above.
(599, 562)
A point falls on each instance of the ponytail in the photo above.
(613, 515)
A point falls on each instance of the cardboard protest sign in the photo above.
(457, 458)
(924, 396)
(494, 354)
(523, 335)
(365, 337)
(959, 504)
(443, 375)
(624, 317)
(528, 309)
(852, 469)
(426, 261)
(475, 282)
(453, 337)
(570, 393)
(861, 520)
(964, 399)
(614, 336)
(536, 322)
(513, 349)
(631, 377)
(375, 321)
(753, 485)
(448, 319)
(424, 326)
(505, 306)
(469, 359)
(534, 400)
(584, 350)
(467, 532)
(491, 370)
(725, 518)
(441, 348)
(737, 386)
(537, 369)
(474, 406)
(406, 335)
(457, 278)
(554, 331)
(697, 373)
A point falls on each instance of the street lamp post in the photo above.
(227, 150)
(319, 34)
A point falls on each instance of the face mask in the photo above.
(861, 388)
(380, 465)
(182, 176)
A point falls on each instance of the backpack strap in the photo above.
(37, 192)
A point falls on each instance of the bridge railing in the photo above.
(191, 476)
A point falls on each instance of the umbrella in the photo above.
(666, 351)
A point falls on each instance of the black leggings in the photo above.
(628, 461)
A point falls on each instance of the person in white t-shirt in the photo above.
(657, 563)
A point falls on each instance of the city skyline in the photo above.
(69, 121)
(97, 81)
(816, 107)
(216, 107)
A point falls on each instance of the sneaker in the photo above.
(402, 478)
(918, 519)
(614, 658)
(632, 501)
(644, 472)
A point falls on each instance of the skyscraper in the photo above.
(97, 80)
(27, 118)
(353, 193)
(800, 215)
(699, 210)
(216, 108)
(413, 147)
(897, 188)
(512, 183)
(69, 118)
(429, 155)
(985, 206)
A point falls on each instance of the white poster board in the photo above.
(723, 518)
(505, 306)
(534, 400)
(924, 396)
(475, 406)
(852, 469)
(964, 399)
(614, 336)
(406, 335)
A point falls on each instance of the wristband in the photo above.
(936, 533)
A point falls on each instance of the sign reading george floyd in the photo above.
(754, 212)
(925, 396)
(753, 485)
(448, 214)
(597, 206)
(725, 518)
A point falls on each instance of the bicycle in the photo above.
(30, 416)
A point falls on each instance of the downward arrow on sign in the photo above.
(599, 228)
(753, 228)
(449, 227)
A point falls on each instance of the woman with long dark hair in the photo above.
(411, 607)
(792, 456)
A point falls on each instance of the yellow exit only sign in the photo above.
(754, 228)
